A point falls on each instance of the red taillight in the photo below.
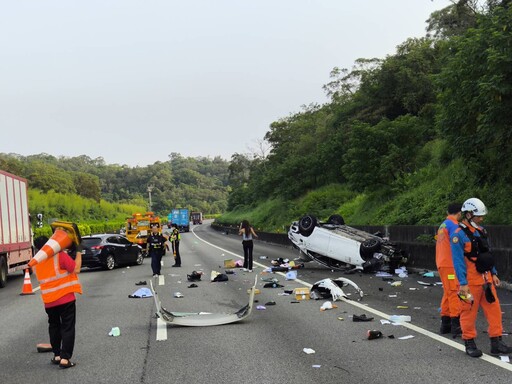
(97, 247)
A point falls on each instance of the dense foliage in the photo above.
(81, 188)
(401, 137)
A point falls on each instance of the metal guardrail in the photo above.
(417, 241)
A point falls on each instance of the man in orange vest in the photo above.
(58, 281)
(478, 278)
(450, 303)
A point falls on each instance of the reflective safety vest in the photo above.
(54, 281)
(176, 235)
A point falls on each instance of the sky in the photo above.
(133, 81)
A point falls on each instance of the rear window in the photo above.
(91, 241)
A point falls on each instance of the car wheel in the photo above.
(307, 224)
(336, 220)
(368, 248)
(140, 258)
(110, 262)
(3, 271)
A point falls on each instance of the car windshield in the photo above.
(91, 241)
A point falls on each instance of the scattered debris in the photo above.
(192, 285)
(218, 277)
(328, 305)
(316, 366)
(402, 307)
(273, 285)
(260, 307)
(423, 283)
(115, 331)
(263, 257)
(333, 288)
(309, 351)
(396, 284)
(399, 318)
(302, 293)
(384, 321)
(270, 303)
(428, 274)
(178, 295)
(202, 319)
(141, 293)
(291, 275)
(406, 337)
(359, 318)
(374, 334)
(141, 283)
(195, 276)
(341, 318)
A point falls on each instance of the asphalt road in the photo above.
(265, 348)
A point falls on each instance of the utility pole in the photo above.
(150, 188)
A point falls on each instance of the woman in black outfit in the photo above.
(247, 233)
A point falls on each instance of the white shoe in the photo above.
(245, 269)
(250, 270)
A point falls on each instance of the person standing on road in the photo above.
(247, 233)
(474, 266)
(156, 248)
(175, 240)
(58, 279)
(450, 303)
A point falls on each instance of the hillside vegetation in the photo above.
(400, 138)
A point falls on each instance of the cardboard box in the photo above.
(302, 294)
(229, 263)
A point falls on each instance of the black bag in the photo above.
(484, 262)
(489, 296)
(220, 277)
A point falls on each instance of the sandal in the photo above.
(69, 364)
(55, 361)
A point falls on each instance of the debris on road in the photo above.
(333, 288)
(115, 331)
(309, 351)
(372, 335)
(328, 305)
(360, 318)
(399, 318)
(141, 293)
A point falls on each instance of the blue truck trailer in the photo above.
(180, 217)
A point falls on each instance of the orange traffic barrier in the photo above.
(60, 240)
(27, 285)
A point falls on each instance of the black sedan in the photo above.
(109, 251)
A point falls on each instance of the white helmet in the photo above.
(475, 206)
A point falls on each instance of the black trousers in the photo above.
(156, 258)
(177, 258)
(61, 320)
(248, 247)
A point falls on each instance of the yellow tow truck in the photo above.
(138, 228)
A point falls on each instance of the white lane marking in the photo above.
(444, 340)
(161, 330)
(161, 280)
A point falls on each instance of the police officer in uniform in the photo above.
(175, 238)
(156, 248)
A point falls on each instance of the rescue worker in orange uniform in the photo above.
(478, 279)
(450, 303)
(58, 280)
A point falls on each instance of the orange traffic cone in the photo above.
(27, 285)
(60, 240)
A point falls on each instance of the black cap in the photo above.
(454, 208)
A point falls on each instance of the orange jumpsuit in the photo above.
(468, 275)
(450, 302)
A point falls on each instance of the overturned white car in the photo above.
(339, 246)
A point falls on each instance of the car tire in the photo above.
(336, 220)
(110, 262)
(307, 224)
(368, 248)
(3, 271)
(140, 258)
